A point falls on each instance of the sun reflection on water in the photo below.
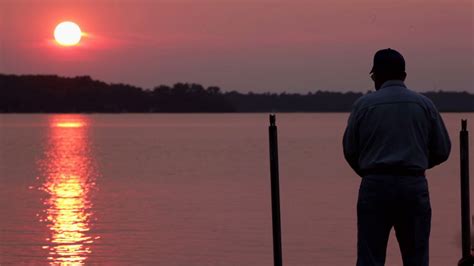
(69, 178)
(70, 124)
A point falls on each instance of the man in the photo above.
(393, 135)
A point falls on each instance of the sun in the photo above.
(67, 33)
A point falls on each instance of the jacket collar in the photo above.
(393, 83)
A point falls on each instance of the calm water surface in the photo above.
(191, 189)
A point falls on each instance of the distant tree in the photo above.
(53, 94)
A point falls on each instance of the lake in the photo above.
(192, 189)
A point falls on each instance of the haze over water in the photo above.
(191, 189)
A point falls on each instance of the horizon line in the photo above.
(229, 91)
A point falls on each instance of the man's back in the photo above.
(395, 129)
(393, 135)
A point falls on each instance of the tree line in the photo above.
(54, 94)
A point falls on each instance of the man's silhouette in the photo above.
(393, 135)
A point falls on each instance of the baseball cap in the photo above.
(388, 61)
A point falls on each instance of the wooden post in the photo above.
(467, 259)
(275, 190)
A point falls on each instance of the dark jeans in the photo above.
(401, 202)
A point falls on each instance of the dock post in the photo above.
(275, 190)
(467, 258)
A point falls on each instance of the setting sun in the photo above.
(67, 33)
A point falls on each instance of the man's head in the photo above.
(388, 65)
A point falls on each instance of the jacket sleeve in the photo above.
(439, 145)
(350, 142)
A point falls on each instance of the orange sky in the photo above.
(260, 45)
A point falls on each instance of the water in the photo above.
(191, 189)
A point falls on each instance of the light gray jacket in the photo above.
(395, 127)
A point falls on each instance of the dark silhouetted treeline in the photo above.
(54, 94)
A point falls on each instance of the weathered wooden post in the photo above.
(467, 258)
(275, 190)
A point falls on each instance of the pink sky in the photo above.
(260, 45)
